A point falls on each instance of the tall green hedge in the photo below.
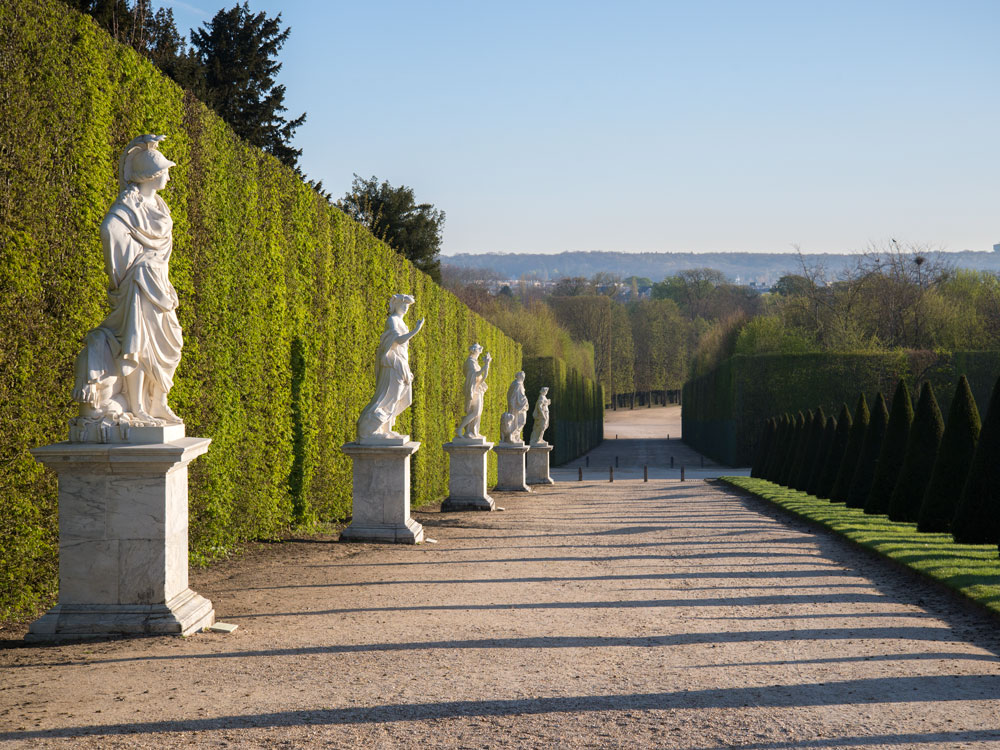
(576, 415)
(282, 300)
(725, 409)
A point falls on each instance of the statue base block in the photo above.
(123, 541)
(381, 494)
(467, 477)
(510, 467)
(537, 464)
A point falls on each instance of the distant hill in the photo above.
(763, 268)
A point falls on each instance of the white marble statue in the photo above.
(473, 389)
(541, 417)
(126, 370)
(517, 405)
(393, 380)
(507, 424)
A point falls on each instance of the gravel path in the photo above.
(588, 614)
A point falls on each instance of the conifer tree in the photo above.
(893, 452)
(845, 474)
(792, 448)
(977, 518)
(835, 456)
(958, 444)
(921, 452)
(826, 442)
(864, 473)
(813, 439)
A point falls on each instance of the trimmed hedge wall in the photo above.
(725, 409)
(576, 415)
(282, 302)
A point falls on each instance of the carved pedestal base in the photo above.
(381, 494)
(467, 477)
(510, 467)
(538, 464)
(123, 541)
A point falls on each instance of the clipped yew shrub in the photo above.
(777, 452)
(893, 452)
(814, 437)
(958, 444)
(795, 437)
(826, 442)
(835, 455)
(864, 472)
(977, 518)
(845, 474)
(921, 453)
(764, 446)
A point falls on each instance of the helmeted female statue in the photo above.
(393, 379)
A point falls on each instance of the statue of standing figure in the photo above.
(512, 422)
(541, 417)
(126, 369)
(393, 378)
(473, 389)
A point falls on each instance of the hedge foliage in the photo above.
(893, 452)
(282, 302)
(576, 414)
(725, 409)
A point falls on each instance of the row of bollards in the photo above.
(611, 471)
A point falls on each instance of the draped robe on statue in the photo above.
(393, 382)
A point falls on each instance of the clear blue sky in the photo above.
(657, 126)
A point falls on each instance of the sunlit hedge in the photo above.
(576, 416)
(282, 302)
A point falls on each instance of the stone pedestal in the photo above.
(467, 477)
(123, 541)
(510, 467)
(381, 494)
(538, 464)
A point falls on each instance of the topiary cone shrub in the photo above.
(763, 446)
(835, 456)
(794, 441)
(921, 452)
(800, 450)
(864, 473)
(826, 441)
(779, 449)
(977, 518)
(893, 452)
(813, 440)
(842, 485)
(958, 443)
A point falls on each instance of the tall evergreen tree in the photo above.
(393, 215)
(977, 518)
(893, 453)
(826, 442)
(796, 438)
(814, 438)
(835, 456)
(958, 444)
(238, 52)
(921, 452)
(864, 474)
(845, 474)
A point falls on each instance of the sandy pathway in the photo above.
(587, 615)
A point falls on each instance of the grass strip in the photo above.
(972, 570)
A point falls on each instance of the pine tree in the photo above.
(893, 453)
(977, 518)
(864, 474)
(826, 443)
(859, 426)
(813, 440)
(958, 444)
(797, 437)
(921, 452)
(835, 456)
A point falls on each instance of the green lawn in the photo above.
(971, 569)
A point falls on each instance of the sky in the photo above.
(638, 126)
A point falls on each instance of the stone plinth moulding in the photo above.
(538, 464)
(510, 467)
(381, 494)
(467, 476)
(123, 541)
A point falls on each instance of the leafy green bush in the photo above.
(921, 452)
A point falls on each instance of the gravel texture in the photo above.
(589, 614)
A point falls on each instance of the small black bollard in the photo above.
(645, 473)
(671, 462)
(581, 475)
(682, 473)
(611, 473)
